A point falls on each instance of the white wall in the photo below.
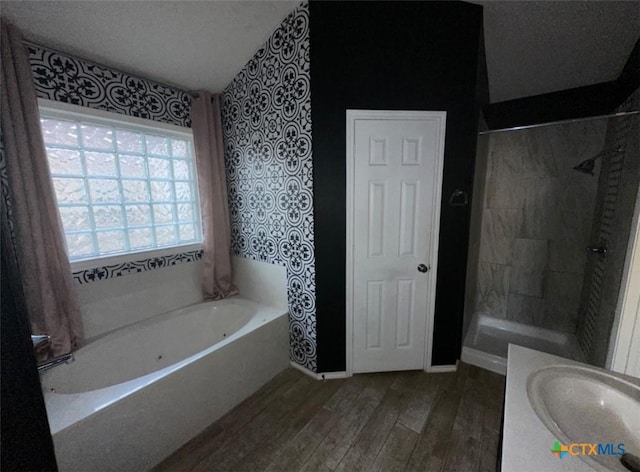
(624, 347)
(112, 303)
(260, 281)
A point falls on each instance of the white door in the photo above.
(394, 192)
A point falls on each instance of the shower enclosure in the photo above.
(551, 216)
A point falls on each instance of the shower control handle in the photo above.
(423, 268)
(597, 250)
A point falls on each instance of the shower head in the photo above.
(588, 165)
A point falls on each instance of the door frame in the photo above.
(352, 116)
(623, 355)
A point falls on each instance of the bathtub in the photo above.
(135, 395)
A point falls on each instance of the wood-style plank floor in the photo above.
(396, 421)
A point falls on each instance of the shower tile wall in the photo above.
(535, 224)
(617, 192)
(266, 121)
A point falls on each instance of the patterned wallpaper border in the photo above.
(65, 78)
(125, 268)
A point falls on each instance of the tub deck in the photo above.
(136, 423)
(390, 421)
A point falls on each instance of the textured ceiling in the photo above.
(191, 44)
(536, 47)
(532, 47)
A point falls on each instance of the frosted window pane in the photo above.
(104, 190)
(110, 241)
(180, 169)
(187, 232)
(157, 145)
(59, 132)
(159, 168)
(107, 216)
(135, 191)
(178, 148)
(79, 244)
(69, 190)
(161, 191)
(128, 141)
(97, 137)
(185, 212)
(131, 166)
(165, 235)
(100, 163)
(183, 191)
(120, 190)
(64, 161)
(140, 237)
(138, 215)
(163, 213)
(74, 218)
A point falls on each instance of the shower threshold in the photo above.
(487, 342)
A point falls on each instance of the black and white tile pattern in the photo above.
(142, 265)
(267, 136)
(68, 79)
(65, 78)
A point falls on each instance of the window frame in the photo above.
(65, 111)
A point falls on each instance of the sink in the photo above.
(588, 405)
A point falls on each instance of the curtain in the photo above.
(207, 138)
(30, 201)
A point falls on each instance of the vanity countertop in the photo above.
(527, 443)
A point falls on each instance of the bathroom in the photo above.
(510, 224)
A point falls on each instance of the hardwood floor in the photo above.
(396, 421)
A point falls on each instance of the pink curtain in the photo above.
(39, 245)
(207, 136)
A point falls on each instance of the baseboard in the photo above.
(436, 369)
(321, 376)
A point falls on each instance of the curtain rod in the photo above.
(191, 93)
(559, 122)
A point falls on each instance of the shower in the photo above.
(587, 165)
(530, 281)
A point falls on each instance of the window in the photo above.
(121, 186)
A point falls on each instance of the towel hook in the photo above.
(458, 198)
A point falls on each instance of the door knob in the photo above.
(423, 268)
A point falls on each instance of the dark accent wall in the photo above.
(26, 440)
(395, 56)
(580, 102)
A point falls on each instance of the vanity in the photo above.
(559, 414)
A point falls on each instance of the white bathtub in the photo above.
(134, 396)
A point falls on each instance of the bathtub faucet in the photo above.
(54, 361)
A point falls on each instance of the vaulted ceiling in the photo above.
(532, 47)
(536, 47)
(192, 44)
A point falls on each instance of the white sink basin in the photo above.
(584, 405)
